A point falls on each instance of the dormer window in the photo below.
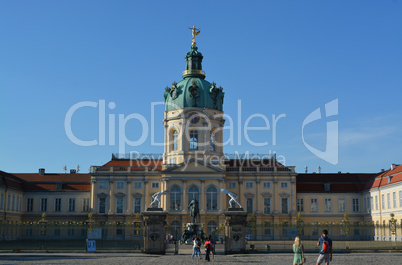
(59, 186)
(327, 187)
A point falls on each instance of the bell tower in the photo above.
(193, 118)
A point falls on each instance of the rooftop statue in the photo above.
(195, 32)
(156, 203)
(233, 199)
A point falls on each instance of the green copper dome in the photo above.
(193, 91)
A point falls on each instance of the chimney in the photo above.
(73, 171)
(41, 171)
(382, 170)
(393, 166)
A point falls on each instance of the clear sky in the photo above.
(271, 58)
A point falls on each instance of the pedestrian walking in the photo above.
(196, 248)
(207, 249)
(325, 244)
(212, 243)
(298, 249)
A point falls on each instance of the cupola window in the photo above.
(212, 142)
(193, 140)
(175, 140)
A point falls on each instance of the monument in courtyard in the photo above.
(235, 226)
(193, 228)
(155, 226)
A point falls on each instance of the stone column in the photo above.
(184, 202)
(93, 205)
(146, 202)
(241, 190)
(257, 196)
(111, 197)
(129, 202)
(235, 231)
(220, 199)
(202, 196)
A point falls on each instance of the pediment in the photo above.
(266, 194)
(102, 195)
(249, 195)
(284, 194)
(137, 195)
(193, 166)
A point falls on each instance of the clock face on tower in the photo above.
(193, 117)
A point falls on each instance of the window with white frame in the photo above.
(137, 185)
(43, 204)
(155, 185)
(30, 204)
(266, 185)
(327, 205)
(300, 205)
(394, 199)
(249, 185)
(267, 205)
(57, 204)
(137, 205)
(314, 205)
(341, 205)
(372, 203)
(85, 204)
(356, 205)
(71, 204)
(285, 205)
(389, 200)
(175, 198)
(102, 205)
(102, 185)
(383, 201)
(400, 198)
(120, 185)
(172, 161)
(119, 205)
(193, 140)
(232, 185)
(212, 198)
(284, 185)
(175, 141)
(376, 202)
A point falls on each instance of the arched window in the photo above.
(212, 199)
(212, 142)
(175, 229)
(175, 198)
(193, 140)
(211, 227)
(175, 140)
(193, 192)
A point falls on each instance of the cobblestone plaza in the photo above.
(116, 259)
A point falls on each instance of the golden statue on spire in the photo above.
(195, 32)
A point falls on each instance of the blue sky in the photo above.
(274, 57)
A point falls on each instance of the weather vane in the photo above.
(195, 32)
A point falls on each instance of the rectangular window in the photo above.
(85, 204)
(8, 202)
(249, 205)
(382, 201)
(327, 205)
(356, 205)
(232, 185)
(172, 161)
(266, 185)
(376, 202)
(267, 205)
(30, 202)
(364, 204)
(155, 185)
(13, 204)
(389, 200)
(18, 203)
(119, 205)
(57, 205)
(284, 185)
(249, 185)
(1, 201)
(267, 229)
(341, 205)
(71, 205)
(120, 185)
(137, 205)
(394, 199)
(368, 205)
(300, 205)
(59, 186)
(43, 205)
(137, 185)
(71, 232)
(314, 205)
(102, 185)
(57, 232)
(102, 205)
(372, 203)
(285, 205)
(400, 198)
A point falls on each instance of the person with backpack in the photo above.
(325, 244)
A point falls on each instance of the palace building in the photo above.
(194, 165)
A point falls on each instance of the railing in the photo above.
(259, 169)
(95, 169)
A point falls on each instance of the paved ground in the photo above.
(124, 259)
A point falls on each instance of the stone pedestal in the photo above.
(154, 231)
(235, 231)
